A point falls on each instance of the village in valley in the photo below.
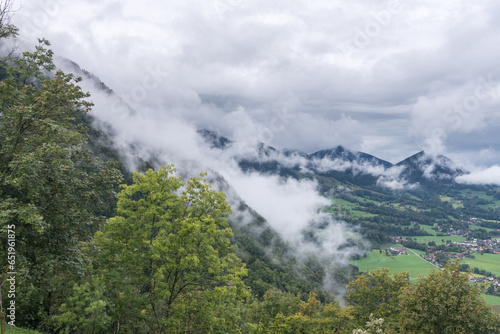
(438, 255)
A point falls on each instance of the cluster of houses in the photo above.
(433, 257)
(396, 251)
(466, 247)
(478, 245)
(485, 280)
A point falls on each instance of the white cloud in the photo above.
(288, 205)
(489, 175)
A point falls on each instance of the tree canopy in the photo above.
(445, 302)
(51, 184)
(170, 245)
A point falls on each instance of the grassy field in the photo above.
(428, 229)
(438, 239)
(347, 208)
(418, 267)
(340, 201)
(478, 194)
(362, 214)
(449, 199)
(396, 264)
(494, 204)
(475, 227)
(494, 301)
(489, 262)
(366, 200)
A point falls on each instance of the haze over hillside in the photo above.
(284, 100)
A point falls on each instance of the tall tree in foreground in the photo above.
(445, 302)
(167, 256)
(50, 182)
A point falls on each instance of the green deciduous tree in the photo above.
(445, 302)
(377, 294)
(86, 310)
(50, 182)
(273, 302)
(168, 256)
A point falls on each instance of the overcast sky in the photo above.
(389, 78)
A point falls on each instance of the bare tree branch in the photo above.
(7, 29)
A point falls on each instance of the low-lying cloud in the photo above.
(291, 207)
(490, 175)
(288, 205)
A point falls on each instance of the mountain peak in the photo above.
(422, 167)
(214, 140)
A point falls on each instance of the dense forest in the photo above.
(87, 246)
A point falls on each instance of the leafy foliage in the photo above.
(51, 184)
(444, 302)
(168, 252)
(283, 313)
(376, 295)
(373, 326)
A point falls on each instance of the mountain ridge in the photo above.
(340, 163)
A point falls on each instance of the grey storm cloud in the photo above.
(375, 76)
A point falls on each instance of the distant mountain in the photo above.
(424, 169)
(340, 165)
(214, 139)
(75, 68)
(341, 153)
(291, 153)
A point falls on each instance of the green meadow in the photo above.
(418, 267)
(475, 227)
(489, 262)
(478, 194)
(340, 201)
(439, 239)
(449, 199)
(428, 229)
(494, 301)
(362, 214)
(412, 263)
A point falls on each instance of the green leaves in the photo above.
(445, 302)
(87, 310)
(50, 181)
(51, 184)
(377, 294)
(170, 243)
